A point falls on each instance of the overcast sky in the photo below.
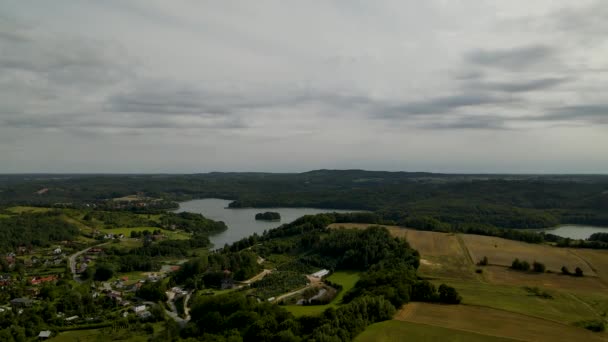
(197, 86)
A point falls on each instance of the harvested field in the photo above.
(597, 259)
(492, 322)
(502, 252)
(507, 276)
(442, 254)
(393, 330)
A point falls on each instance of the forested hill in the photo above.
(514, 201)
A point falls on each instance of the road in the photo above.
(72, 259)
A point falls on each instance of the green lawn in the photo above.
(390, 331)
(564, 307)
(346, 279)
(23, 209)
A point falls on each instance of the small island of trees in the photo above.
(268, 216)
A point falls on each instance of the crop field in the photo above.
(346, 279)
(442, 255)
(493, 322)
(563, 307)
(597, 258)
(507, 276)
(396, 331)
(502, 252)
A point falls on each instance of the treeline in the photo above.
(504, 201)
(34, 230)
(595, 241)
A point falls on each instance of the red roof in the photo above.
(40, 280)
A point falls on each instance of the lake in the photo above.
(241, 222)
(576, 231)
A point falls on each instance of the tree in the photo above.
(578, 272)
(483, 262)
(538, 267)
(448, 295)
(424, 291)
(565, 270)
(103, 272)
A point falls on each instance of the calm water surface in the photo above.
(576, 231)
(241, 222)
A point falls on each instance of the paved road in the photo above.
(72, 259)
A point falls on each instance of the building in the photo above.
(320, 274)
(139, 308)
(21, 303)
(44, 334)
(40, 280)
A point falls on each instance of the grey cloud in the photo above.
(596, 113)
(60, 59)
(519, 87)
(588, 21)
(219, 101)
(515, 59)
(441, 105)
(468, 122)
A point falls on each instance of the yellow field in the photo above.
(502, 252)
(598, 260)
(493, 322)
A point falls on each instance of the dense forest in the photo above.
(34, 230)
(504, 201)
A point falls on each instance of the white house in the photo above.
(320, 274)
(139, 308)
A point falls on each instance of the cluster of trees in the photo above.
(578, 272)
(192, 223)
(268, 216)
(210, 270)
(34, 230)
(595, 241)
(523, 265)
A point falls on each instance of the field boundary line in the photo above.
(466, 330)
(518, 313)
(597, 274)
(465, 249)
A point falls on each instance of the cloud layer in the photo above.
(337, 84)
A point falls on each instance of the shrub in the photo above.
(520, 265)
(479, 270)
(578, 272)
(538, 267)
(565, 270)
(594, 325)
(448, 295)
(483, 262)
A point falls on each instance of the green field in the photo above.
(564, 307)
(346, 279)
(390, 331)
(23, 209)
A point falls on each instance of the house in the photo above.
(21, 302)
(44, 334)
(106, 287)
(71, 319)
(57, 250)
(40, 280)
(139, 308)
(320, 274)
